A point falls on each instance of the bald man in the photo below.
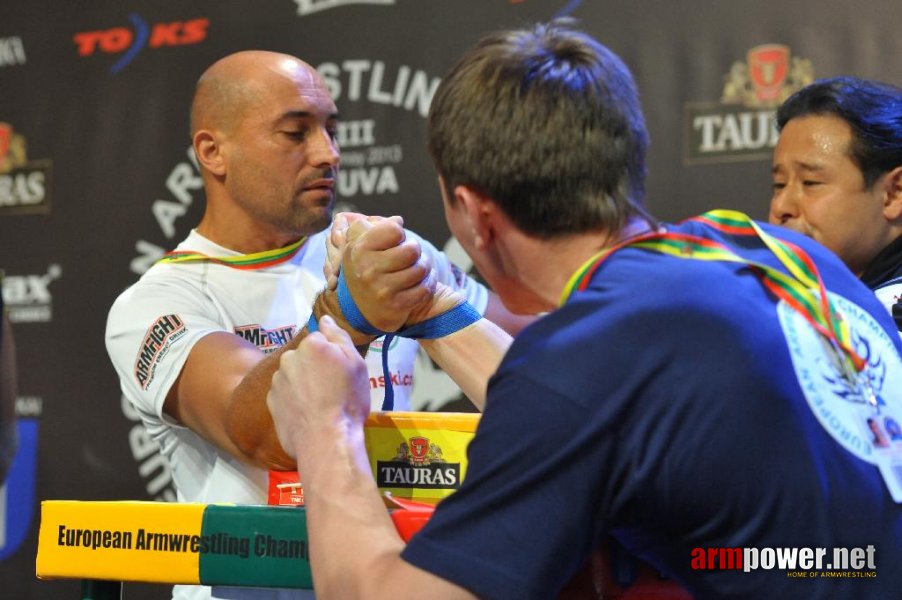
(196, 340)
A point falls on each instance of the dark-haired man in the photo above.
(694, 388)
(837, 176)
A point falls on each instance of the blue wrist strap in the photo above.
(388, 400)
(438, 326)
(444, 324)
(350, 310)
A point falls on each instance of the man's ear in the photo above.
(481, 214)
(892, 199)
(208, 150)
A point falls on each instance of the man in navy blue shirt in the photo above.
(718, 395)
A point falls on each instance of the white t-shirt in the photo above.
(154, 324)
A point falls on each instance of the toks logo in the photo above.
(741, 127)
(418, 464)
(23, 184)
(121, 39)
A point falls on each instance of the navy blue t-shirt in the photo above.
(664, 405)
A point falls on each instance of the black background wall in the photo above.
(96, 180)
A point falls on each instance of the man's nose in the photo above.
(783, 205)
(324, 150)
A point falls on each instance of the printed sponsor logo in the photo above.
(397, 379)
(130, 42)
(24, 184)
(267, 340)
(157, 342)
(741, 126)
(12, 51)
(418, 463)
(28, 297)
(308, 7)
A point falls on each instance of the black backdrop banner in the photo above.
(97, 180)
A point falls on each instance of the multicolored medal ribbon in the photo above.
(256, 260)
(802, 289)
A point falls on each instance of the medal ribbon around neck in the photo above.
(803, 289)
(256, 260)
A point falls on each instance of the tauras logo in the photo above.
(418, 463)
(306, 7)
(28, 297)
(155, 346)
(24, 184)
(432, 477)
(12, 51)
(742, 127)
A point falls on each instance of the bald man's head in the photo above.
(234, 84)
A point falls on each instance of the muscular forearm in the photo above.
(343, 503)
(354, 547)
(249, 423)
(470, 356)
(355, 550)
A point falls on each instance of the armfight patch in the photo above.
(165, 330)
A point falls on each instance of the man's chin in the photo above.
(321, 217)
(314, 218)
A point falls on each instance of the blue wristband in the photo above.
(388, 399)
(350, 310)
(444, 324)
(438, 326)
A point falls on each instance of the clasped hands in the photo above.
(392, 282)
(389, 277)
